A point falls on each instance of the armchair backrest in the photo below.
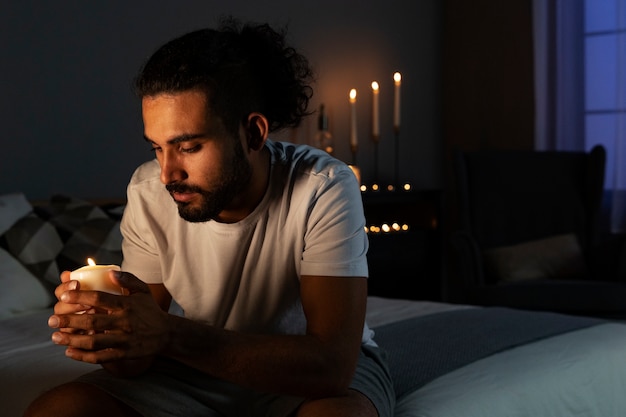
(508, 197)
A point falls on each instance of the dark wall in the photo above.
(70, 123)
(488, 88)
(488, 80)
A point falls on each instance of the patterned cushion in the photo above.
(13, 207)
(36, 244)
(61, 235)
(21, 290)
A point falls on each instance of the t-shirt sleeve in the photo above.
(139, 245)
(335, 241)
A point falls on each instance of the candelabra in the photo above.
(376, 139)
(396, 133)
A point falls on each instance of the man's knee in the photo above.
(77, 399)
(353, 404)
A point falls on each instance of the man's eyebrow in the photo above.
(179, 139)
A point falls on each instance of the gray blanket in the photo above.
(423, 348)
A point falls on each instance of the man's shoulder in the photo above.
(146, 172)
(146, 181)
(306, 159)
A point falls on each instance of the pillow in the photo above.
(61, 235)
(36, 244)
(21, 290)
(12, 208)
(553, 257)
(86, 230)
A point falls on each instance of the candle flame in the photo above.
(397, 77)
(91, 262)
(374, 86)
(352, 95)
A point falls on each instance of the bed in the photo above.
(555, 365)
(579, 372)
(446, 359)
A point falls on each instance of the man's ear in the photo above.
(257, 131)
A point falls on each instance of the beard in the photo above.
(233, 179)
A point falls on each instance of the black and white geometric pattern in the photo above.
(36, 244)
(61, 235)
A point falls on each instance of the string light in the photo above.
(387, 229)
(376, 187)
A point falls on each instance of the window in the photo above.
(605, 94)
(580, 77)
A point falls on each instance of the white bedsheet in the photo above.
(30, 363)
(581, 373)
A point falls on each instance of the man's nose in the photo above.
(171, 169)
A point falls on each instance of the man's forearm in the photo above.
(300, 365)
(128, 367)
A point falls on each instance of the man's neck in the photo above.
(244, 204)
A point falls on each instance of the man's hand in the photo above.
(114, 327)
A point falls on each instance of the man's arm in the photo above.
(320, 363)
(317, 364)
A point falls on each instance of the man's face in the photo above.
(202, 166)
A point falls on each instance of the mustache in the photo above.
(183, 188)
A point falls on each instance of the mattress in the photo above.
(577, 373)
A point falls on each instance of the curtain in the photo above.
(559, 69)
(580, 89)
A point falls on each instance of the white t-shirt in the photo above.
(245, 276)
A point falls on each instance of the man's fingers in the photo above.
(65, 276)
(95, 322)
(65, 287)
(130, 282)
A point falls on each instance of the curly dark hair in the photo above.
(242, 68)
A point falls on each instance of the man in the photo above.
(263, 247)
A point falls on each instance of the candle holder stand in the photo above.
(376, 139)
(396, 133)
(353, 166)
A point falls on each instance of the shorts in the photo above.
(171, 389)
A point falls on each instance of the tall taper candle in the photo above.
(396, 103)
(353, 135)
(375, 119)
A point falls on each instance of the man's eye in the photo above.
(191, 149)
(155, 149)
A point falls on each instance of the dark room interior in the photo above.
(492, 175)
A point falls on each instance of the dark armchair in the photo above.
(531, 235)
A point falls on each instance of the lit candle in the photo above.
(375, 122)
(396, 103)
(353, 136)
(96, 277)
